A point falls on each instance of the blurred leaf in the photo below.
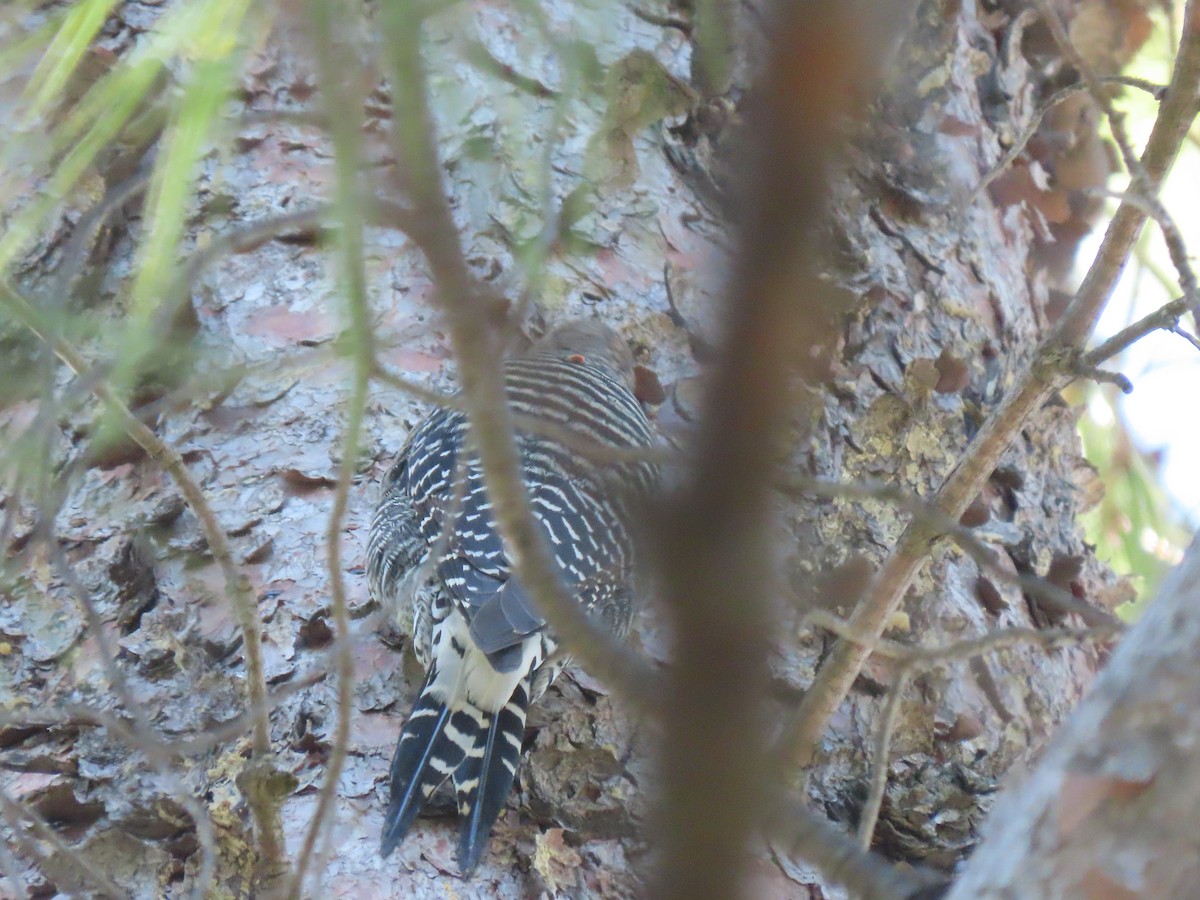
(90, 127)
(170, 198)
(207, 32)
(638, 92)
(13, 54)
(74, 37)
(1134, 527)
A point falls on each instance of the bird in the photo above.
(436, 557)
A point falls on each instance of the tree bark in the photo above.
(1112, 808)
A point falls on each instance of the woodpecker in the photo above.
(436, 556)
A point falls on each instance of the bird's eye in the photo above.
(577, 358)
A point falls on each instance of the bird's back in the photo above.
(581, 498)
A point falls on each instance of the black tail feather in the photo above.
(483, 781)
(425, 756)
(481, 751)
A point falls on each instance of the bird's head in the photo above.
(589, 341)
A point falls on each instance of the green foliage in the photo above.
(77, 131)
(89, 126)
(1134, 527)
(62, 57)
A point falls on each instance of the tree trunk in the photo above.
(1111, 809)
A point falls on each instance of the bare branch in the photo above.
(1165, 318)
(1035, 123)
(1081, 369)
(1173, 237)
(713, 539)
(914, 660)
(652, 18)
(839, 859)
(879, 772)
(343, 107)
(1044, 375)
(249, 236)
(1120, 779)
(1095, 85)
(478, 55)
(928, 513)
(76, 252)
(79, 714)
(1190, 338)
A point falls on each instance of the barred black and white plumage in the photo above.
(485, 647)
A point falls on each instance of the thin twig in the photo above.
(1142, 188)
(478, 55)
(652, 18)
(926, 512)
(1138, 725)
(80, 244)
(240, 593)
(572, 440)
(1102, 376)
(119, 194)
(1190, 338)
(536, 256)
(1165, 318)
(914, 660)
(925, 657)
(465, 303)
(236, 240)
(839, 859)
(1095, 85)
(141, 735)
(1035, 123)
(252, 118)
(76, 714)
(343, 107)
(1172, 236)
(89, 872)
(249, 236)
(8, 864)
(879, 771)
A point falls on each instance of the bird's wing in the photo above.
(396, 543)
(509, 615)
(499, 613)
(498, 609)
